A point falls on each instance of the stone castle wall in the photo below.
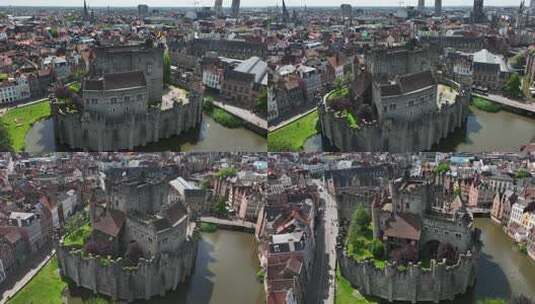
(415, 135)
(149, 278)
(414, 283)
(89, 131)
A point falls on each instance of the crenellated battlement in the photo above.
(115, 278)
(412, 283)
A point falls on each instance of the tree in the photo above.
(522, 173)
(220, 207)
(362, 218)
(512, 86)
(261, 102)
(442, 168)
(166, 67)
(5, 139)
(54, 32)
(377, 248)
(208, 105)
(518, 61)
(227, 172)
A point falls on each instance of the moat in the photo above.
(503, 271)
(225, 272)
(210, 137)
(484, 131)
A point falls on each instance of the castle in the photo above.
(141, 242)
(123, 102)
(396, 103)
(418, 219)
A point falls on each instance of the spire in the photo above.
(285, 14)
(86, 13)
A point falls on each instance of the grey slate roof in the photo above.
(409, 83)
(253, 65)
(116, 81)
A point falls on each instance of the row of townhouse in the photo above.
(516, 212)
(285, 231)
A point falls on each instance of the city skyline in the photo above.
(263, 3)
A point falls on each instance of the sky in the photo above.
(252, 2)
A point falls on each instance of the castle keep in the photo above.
(124, 103)
(397, 104)
(141, 243)
(431, 246)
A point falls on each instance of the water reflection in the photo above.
(503, 271)
(225, 272)
(211, 136)
(503, 131)
(484, 131)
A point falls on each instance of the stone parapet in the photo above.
(113, 278)
(412, 283)
(418, 134)
(88, 131)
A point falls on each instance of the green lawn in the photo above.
(78, 237)
(219, 115)
(75, 87)
(485, 104)
(44, 288)
(225, 118)
(208, 227)
(338, 93)
(18, 121)
(292, 137)
(346, 294)
(491, 301)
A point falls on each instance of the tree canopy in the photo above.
(5, 139)
(512, 86)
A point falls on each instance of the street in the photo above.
(7, 294)
(530, 107)
(243, 114)
(321, 288)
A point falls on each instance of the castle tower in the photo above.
(235, 8)
(421, 5)
(85, 13)
(218, 7)
(376, 207)
(438, 7)
(477, 12)
(285, 14)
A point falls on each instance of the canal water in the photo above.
(503, 271)
(502, 131)
(211, 136)
(225, 272)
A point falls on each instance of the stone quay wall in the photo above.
(412, 283)
(149, 278)
(89, 131)
(419, 134)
